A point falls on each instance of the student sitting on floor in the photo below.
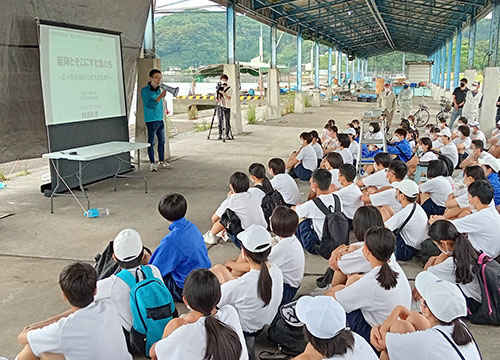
(476, 152)
(413, 217)
(457, 261)
(434, 136)
(435, 191)
(354, 146)
(457, 205)
(332, 162)
(386, 196)
(343, 149)
(378, 179)
(239, 200)
(446, 337)
(87, 331)
(462, 141)
(332, 143)
(287, 254)
(462, 121)
(182, 250)
(310, 230)
(369, 299)
(256, 295)
(479, 227)
(422, 157)
(301, 164)
(475, 133)
(400, 146)
(491, 167)
(283, 182)
(262, 185)
(205, 332)
(324, 133)
(349, 194)
(316, 144)
(326, 331)
(448, 148)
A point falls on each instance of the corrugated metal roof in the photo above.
(369, 27)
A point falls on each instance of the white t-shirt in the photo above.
(451, 152)
(377, 179)
(427, 344)
(355, 262)
(375, 302)
(350, 196)
(346, 155)
(479, 136)
(428, 156)
(190, 341)
(466, 142)
(482, 229)
(437, 143)
(242, 294)
(361, 351)
(118, 291)
(287, 187)
(374, 136)
(88, 333)
(335, 177)
(246, 207)
(319, 150)
(288, 255)
(439, 188)
(446, 271)
(386, 198)
(308, 158)
(257, 194)
(354, 149)
(309, 210)
(415, 231)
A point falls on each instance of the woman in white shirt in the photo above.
(443, 306)
(457, 261)
(262, 185)
(435, 191)
(316, 144)
(418, 163)
(205, 332)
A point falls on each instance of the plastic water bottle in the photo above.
(2, 185)
(93, 213)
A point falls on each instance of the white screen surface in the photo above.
(81, 74)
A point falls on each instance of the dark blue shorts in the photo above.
(289, 293)
(403, 251)
(172, 286)
(307, 236)
(300, 172)
(356, 321)
(431, 208)
(234, 239)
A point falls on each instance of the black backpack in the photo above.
(271, 200)
(335, 228)
(449, 164)
(231, 222)
(488, 273)
(105, 265)
(287, 332)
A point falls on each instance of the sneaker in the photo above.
(165, 165)
(220, 137)
(209, 238)
(153, 167)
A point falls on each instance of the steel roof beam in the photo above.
(301, 10)
(372, 5)
(462, 12)
(419, 19)
(268, 6)
(421, 16)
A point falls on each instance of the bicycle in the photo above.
(422, 115)
(444, 112)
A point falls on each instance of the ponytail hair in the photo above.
(265, 283)
(259, 171)
(461, 335)
(464, 254)
(381, 243)
(202, 293)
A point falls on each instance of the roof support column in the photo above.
(458, 50)
(443, 63)
(448, 64)
(231, 32)
(330, 50)
(358, 70)
(339, 67)
(493, 48)
(353, 72)
(273, 109)
(316, 64)
(472, 44)
(347, 69)
(274, 35)
(403, 65)
(299, 96)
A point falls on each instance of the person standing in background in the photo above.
(405, 100)
(387, 103)
(473, 101)
(459, 95)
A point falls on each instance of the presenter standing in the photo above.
(224, 94)
(152, 99)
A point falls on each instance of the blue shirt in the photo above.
(181, 251)
(402, 149)
(495, 182)
(153, 110)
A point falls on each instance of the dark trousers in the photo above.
(356, 321)
(156, 129)
(224, 114)
(289, 293)
(172, 286)
(307, 236)
(403, 251)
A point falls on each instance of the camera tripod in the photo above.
(224, 135)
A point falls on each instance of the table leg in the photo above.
(117, 171)
(80, 175)
(56, 166)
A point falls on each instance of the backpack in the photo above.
(287, 332)
(105, 265)
(335, 228)
(271, 200)
(152, 308)
(488, 273)
(231, 222)
(449, 165)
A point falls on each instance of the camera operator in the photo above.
(224, 94)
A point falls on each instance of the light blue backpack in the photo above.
(152, 308)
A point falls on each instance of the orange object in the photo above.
(379, 85)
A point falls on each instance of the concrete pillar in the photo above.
(433, 68)
(470, 75)
(273, 95)
(274, 35)
(493, 45)
(232, 71)
(339, 67)
(472, 44)
(358, 70)
(329, 82)
(347, 75)
(148, 43)
(403, 65)
(299, 62)
(141, 132)
(353, 72)
(491, 92)
(443, 65)
(316, 98)
(316, 64)
(231, 32)
(458, 50)
(299, 106)
(448, 64)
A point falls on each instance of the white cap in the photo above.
(498, 122)
(445, 132)
(127, 245)
(349, 131)
(475, 83)
(255, 238)
(474, 124)
(323, 316)
(444, 299)
(407, 187)
(492, 162)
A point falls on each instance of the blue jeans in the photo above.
(454, 114)
(156, 129)
(307, 236)
(403, 251)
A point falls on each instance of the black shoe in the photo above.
(220, 137)
(326, 279)
(229, 138)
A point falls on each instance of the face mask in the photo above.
(441, 126)
(434, 137)
(387, 91)
(375, 167)
(498, 126)
(395, 139)
(405, 86)
(371, 129)
(427, 131)
(449, 253)
(462, 84)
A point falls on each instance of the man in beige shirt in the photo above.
(387, 102)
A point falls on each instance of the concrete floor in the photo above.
(35, 245)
